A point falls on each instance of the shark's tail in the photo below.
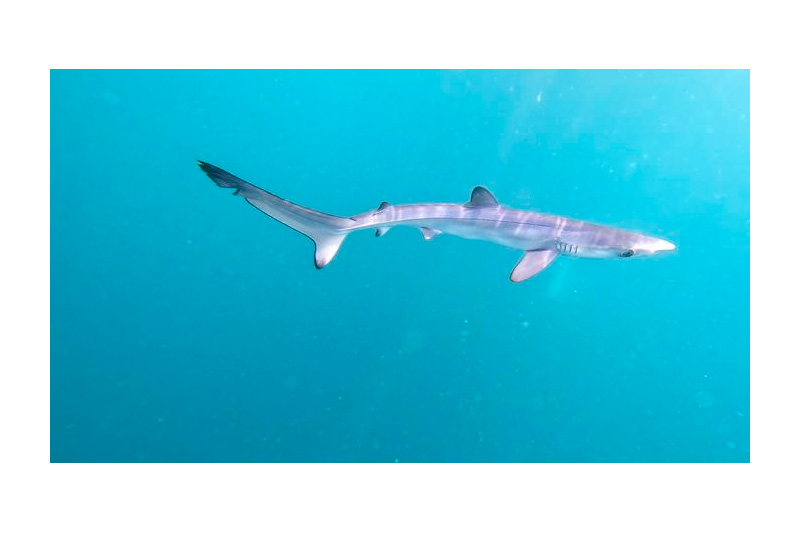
(327, 231)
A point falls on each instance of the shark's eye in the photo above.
(626, 253)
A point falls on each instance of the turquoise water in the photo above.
(188, 326)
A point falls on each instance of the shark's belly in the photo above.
(509, 234)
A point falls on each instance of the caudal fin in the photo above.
(327, 231)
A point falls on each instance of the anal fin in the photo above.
(532, 263)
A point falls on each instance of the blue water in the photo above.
(188, 326)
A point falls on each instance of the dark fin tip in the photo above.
(207, 167)
(219, 176)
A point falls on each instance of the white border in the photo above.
(382, 497)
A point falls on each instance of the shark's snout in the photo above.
(652, 245)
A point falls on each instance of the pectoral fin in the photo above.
(532, 263)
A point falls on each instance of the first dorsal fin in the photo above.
(383, 206)
(481, 197)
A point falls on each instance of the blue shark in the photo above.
(541, 237)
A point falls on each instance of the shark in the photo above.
(541, 237)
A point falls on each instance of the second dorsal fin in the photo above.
(481, 197)
(380, 232)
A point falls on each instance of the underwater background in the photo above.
(188, 326)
